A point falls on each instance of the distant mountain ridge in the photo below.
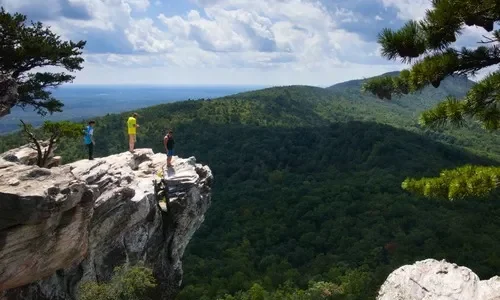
(456, 86)
(78, 106)
(307, 186)
(358, 82)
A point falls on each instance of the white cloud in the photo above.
(139, 4)
(345, 16)
(268, 33)
(251, 37)
(409, 9)
(140, 73)
(144, 36)
(106, 14)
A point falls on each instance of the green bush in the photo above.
(316, 291)
(134, 283)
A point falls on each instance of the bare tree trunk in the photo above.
(35, 141)
(48, 150)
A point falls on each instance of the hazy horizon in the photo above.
(88, 101)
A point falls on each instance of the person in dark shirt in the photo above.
(169, 142)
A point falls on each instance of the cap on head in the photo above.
(134, 115)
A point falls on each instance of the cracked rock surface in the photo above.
(62, 226)
(438, 280)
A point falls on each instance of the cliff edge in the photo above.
(77, 222)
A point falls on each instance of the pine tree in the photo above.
(53, 132)
(24, 47)
(428, 45)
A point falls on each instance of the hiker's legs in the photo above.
(91, 150)
(170, 153)
(131, 142)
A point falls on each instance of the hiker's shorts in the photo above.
(170, 152)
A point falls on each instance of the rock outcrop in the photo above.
(44, 220)
(438, 280)
(27, 155)
(62, 226)
(8, 94)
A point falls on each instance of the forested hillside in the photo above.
(307, 188)
(417, 102)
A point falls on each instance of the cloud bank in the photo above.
(270, 42)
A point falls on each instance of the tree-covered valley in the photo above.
(308, 187)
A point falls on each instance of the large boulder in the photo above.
(28, 155)
(438, 280)
(124, 225)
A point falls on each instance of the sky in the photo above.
(228, 42)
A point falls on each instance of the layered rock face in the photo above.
(438, 280)
(66, 225)
(44, 220)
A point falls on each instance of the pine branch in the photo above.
(429, 43)
(464, 182)
(431, 70)
(488, 40)
(25, 47)
(481, 103)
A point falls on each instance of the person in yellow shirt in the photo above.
(132, 126)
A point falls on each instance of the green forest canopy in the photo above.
(430, 42)
(307, 191)
(308, 188)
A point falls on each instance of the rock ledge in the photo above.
(76, 222)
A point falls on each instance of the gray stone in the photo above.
(27, 155)
(125, 224)
(13, 181)
(437, 280)
(11, 158)
(41, 230)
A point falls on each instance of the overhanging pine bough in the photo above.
(428, 45)
(25, 47)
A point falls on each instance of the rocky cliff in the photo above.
(438, 280)
(69, 224)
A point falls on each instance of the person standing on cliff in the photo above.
(88, 138)
(169, 142)
(132, 132)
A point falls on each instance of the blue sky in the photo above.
(263, 42)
